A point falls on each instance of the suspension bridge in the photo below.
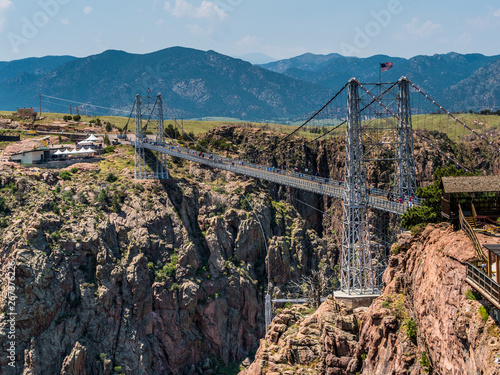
(378, 128)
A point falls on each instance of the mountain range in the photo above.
(197, 84)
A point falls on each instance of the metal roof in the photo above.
(470, 184)
(494, 248)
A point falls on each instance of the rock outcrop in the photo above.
(299, 343)
(138, 276)
(422, 322)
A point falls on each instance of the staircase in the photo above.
(471, 220)
(467, 228)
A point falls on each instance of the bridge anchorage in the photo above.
(377, 117)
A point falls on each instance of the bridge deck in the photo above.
(332, 188)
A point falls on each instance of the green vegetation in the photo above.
(411, 328)
(168, 270)
(65, 175)
(426, 364)
(473, 295)
(483, 311)
(111, 177)
(430, 210)
(4, 208)
(109, 149)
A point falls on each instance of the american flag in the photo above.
(384, 67)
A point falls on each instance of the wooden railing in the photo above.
(474, 214)
(472, 235)
(484, 285)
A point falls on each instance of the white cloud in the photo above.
(496, 13)
(65, 21)
(207, 9)
(421, 30)
(159, 22)
(198, 31)
(88, 10)
(4, 6)
(248, 41)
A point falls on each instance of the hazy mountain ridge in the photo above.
(196, 83)
(435, 74)
(193, 83)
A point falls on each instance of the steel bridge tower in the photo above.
(360, 267)
(148, 164)
(405, 180)
(356, 271)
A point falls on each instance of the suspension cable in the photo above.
(93, 105)
(404, 122)
(344, 122)
(453, 117)
(309, 120)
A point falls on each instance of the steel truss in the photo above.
(361, 260)
(149, 164)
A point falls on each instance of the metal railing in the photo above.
(465, 226)
(485, 285)
(376, 199)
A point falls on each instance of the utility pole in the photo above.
(40, 103)
(70, 110)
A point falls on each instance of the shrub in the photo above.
(74, 170)
(4, 208)
(65, 175)
(426, 364)
(395, 249)
(77, 118)
(417, 229)
(168, 270)
(111, 177)
(109, 127)
(106, 139)
(411, 328)
(483, 311)
(56, 236)
(472, 295)
(109, 149)
(67, 195)
(175, 286)
(102, 198)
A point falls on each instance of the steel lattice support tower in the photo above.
(161, 159)
(157, 162)
(357, 276)
(406, 177)
(140, 158)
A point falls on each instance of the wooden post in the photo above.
(497, 262)
(489, 264)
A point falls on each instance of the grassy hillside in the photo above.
(432, 122)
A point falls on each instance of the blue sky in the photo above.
(276, 28)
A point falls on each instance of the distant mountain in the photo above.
(481, 90)
(193, 83)
(256, 58)
(33, 65)
(207, 84)
(308, 62)
(436, 75)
